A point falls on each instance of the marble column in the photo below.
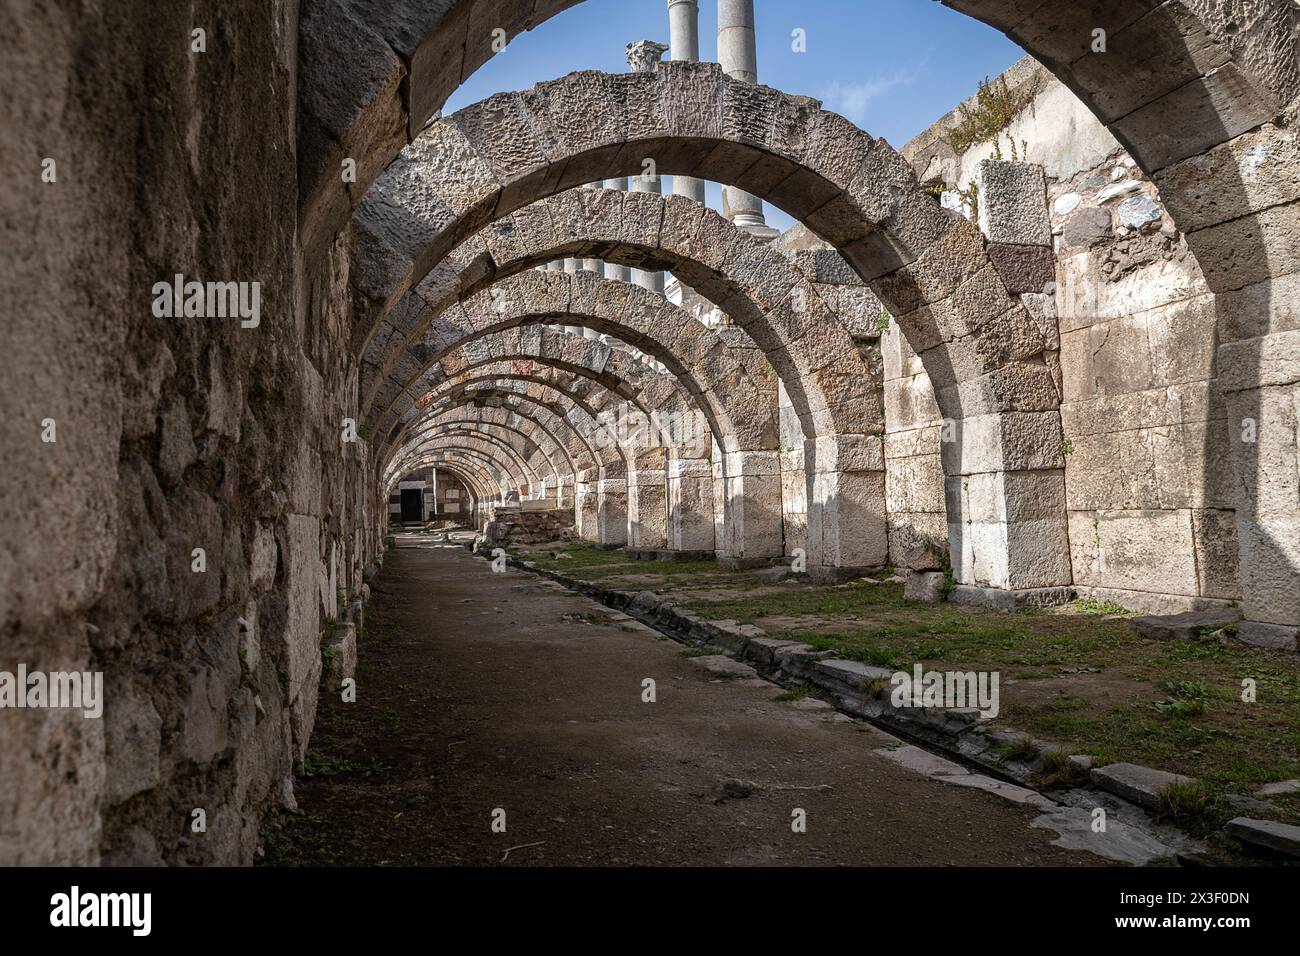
(572, 266)
(738, 57)
(643, 57)
(684, 44)
(613, 270)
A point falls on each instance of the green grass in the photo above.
(590, 563)
(802, 599)
(1090, 606)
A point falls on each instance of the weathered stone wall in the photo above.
(914, 480)
(1148, 477)
(172, 434)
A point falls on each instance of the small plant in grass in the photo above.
(1058, 771)
(1020, 750)
(797, 692)
(1184, 800)
(1188, 698)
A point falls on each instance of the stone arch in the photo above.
(1196, 73)
(493, 448)
(599, 367)
(661, 233)
(490, 434)
(485, 458)
(632, 489)
(738, 412)
(551, 424)
(607, 375)
(853, 190)
(368, 83)
(471, 469)
(478, 482)
(532, 447)
(484, 469)
(669, 493)
(1213, 69)
(856, 192)
(518, 372)
(545, 455)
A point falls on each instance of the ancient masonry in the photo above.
(1063, 358)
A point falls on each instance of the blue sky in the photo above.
(891, 66)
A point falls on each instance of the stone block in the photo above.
(1011, 441)
(340, 656)
(1141, 785)
(1215, 536)
(1251, 249)
(847, 520)
(1013, 203)
(1023, 268)
(301, 553)
(854, 676)
(1086, 296)
(1280, 837)
(924, 586)
(910, 532)
(132, 742)
(1259, 309)
(1188, 626)
(914, 484)
(1088, 227)
(1134, 550)
(910, 402)
(1249, 173)
(1270, 566)
(1276, 637)
(846, 453)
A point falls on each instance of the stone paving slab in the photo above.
(1282, 837)
(1144, 786)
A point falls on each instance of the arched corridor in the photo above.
(332, 324)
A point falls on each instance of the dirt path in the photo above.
(479, 690)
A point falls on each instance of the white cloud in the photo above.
(853, 100)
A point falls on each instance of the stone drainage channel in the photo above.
(1113, 818)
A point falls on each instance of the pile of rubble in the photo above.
(509, 528)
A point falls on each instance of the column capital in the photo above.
(643, 56)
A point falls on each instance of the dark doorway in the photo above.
(412, 504)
